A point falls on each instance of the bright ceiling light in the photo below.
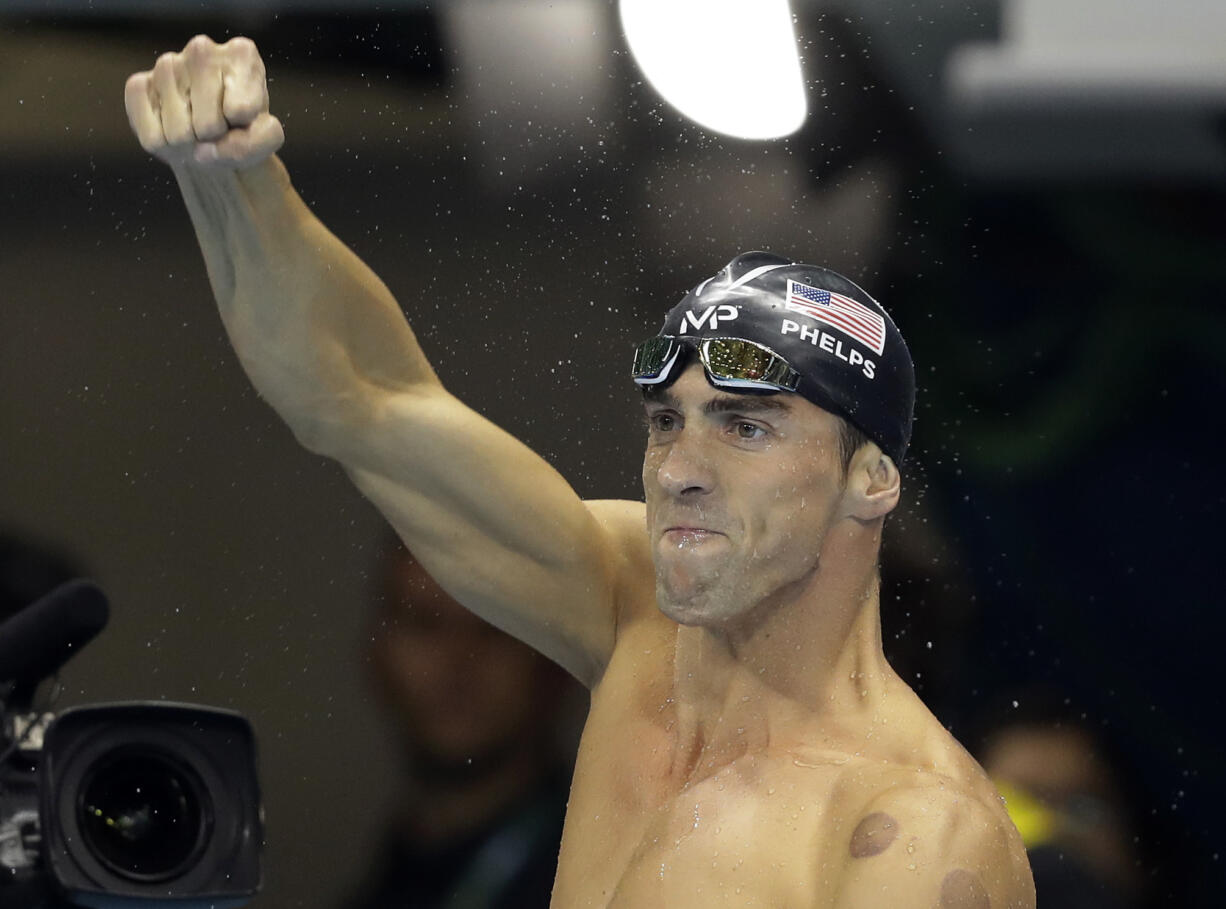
(729, 65)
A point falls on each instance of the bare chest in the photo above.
(652, 824)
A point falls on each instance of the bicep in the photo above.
(496, 526)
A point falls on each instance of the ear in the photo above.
(873, 484)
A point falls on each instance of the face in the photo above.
(741, 490)
(462, 690)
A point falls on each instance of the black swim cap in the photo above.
(851, 359)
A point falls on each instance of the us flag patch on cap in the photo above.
(847, 315)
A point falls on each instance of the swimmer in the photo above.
(747, 742)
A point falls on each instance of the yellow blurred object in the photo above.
(1035, 821)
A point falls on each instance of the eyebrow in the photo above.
(723, 403)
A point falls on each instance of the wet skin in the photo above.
(773, 802)
(741, 490)
(748, 745)
(744, 721)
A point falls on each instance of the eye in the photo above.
(661, 421)
(748, 431)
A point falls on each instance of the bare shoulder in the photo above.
(931, 841)
(622, 516)
(624, 525)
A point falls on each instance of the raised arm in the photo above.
(325, 343)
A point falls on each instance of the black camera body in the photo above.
(128, 805)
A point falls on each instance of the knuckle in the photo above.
(165, 63)
(242, 46)
(200, 47)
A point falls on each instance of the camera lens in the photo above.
(143, 814)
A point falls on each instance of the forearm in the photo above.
(319, 334)
(324, 342)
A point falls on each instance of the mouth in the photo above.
(687, 532)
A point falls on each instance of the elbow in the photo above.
(350, 427)
(316, 437)
(325, 428)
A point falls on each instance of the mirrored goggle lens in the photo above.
(745, 364)
(729, 362)
(653, 358)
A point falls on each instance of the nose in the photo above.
(685, 469)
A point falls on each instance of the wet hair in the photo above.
(851, 438)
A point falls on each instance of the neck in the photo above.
(814, 658)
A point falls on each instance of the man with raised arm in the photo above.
(747, 744)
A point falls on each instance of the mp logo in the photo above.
(708, 317)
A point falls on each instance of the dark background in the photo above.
(1056, 263)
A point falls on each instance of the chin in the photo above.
(703, 607)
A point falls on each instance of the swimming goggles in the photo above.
(729, 363)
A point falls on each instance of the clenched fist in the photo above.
(208, 105)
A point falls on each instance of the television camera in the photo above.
(130, 805)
